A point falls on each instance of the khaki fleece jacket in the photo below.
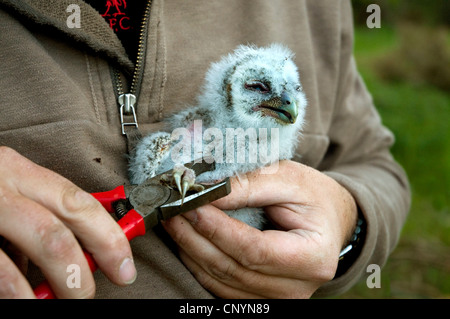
(58, 108)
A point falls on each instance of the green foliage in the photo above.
(422, 57)
(418, 113)
(431, 12)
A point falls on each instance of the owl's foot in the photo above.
(184, 180)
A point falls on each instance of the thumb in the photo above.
(259, 188)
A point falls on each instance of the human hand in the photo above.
(43, 215)
(315, 217)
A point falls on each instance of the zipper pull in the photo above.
(126, 102)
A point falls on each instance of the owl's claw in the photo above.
(177, 179)
(184, 179)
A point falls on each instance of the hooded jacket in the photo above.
(59, 108)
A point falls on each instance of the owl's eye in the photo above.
(257, 86)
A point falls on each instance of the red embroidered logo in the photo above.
(116, 16)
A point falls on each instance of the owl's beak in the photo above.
(288, 111)
(284, 108)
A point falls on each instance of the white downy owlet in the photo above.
(249, 114)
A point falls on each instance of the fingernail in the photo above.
(127, 271)
(191, 216)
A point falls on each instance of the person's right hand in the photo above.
(47, 218)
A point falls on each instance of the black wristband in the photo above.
(350, 252)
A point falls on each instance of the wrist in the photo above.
(353, 247)
(349, 215)
(353, 231)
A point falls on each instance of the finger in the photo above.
(99, 234)
(221, 274)
(12, 282)
(214, 264)
(48, 243)
(289, 210)
(276, 253)
(261, 287)
(89, 221)
(256, 189)
(294, 183)
(281, 288)
(211, 283)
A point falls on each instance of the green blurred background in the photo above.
(406, 67)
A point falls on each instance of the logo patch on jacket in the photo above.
(116, 15)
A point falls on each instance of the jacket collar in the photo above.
(51, 16)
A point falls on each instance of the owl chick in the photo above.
(251, 111)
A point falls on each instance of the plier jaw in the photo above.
(153, 201)
(142, 207)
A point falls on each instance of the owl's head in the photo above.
(257, 87)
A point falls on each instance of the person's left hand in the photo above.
(314, 215)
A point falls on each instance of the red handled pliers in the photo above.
(141, 207)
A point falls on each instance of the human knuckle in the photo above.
(211, 234)
(223, 271)
(116, 242)
(75, 202)
(180, 236)
(248, 260)
(252, 254)
(205, 280)
(8, 280)
(56, 240)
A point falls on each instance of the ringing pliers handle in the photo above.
(132, 223)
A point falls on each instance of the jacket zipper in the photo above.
(127, 101)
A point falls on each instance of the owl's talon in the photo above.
(177, 179)
(184, 180)
(183, 191)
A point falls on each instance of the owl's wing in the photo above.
(149, 155)
(153, 153)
